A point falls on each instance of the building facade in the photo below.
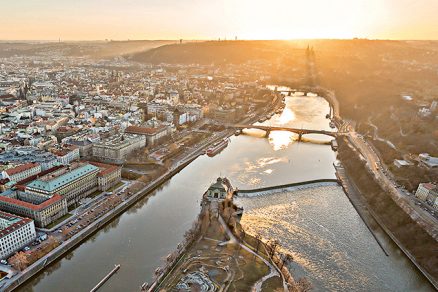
(424, 190)
(73, 183)
(116, 148)
(217, 191)
(15, 233)
(428, 193)
(22, 172)
(153, 135)
(109, 175)
(42, 209)
(67, 154)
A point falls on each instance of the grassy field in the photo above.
(54, 223)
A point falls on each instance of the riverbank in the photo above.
(359, 201)
(85, 233)
(101, 221)
(392, 219)
(218, 253)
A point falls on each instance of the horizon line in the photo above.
(59, 40)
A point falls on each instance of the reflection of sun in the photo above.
(286, 116)
(280, 139)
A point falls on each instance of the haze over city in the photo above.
(229, 145)
(197, 19)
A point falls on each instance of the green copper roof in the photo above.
(52, 185)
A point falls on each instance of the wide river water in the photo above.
(337, 247)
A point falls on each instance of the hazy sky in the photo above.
(211, 19)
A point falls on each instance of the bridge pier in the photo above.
(267, 132)
(300, 136)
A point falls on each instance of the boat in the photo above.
(217, 147)
(261, 120)
(237, 132)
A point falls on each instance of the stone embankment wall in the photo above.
(87, 231)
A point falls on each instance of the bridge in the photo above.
(320, 91)
(268, 130)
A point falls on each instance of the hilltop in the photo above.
(217, 52)
(369, 77)
(93, 49)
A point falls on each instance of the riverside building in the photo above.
(15, 232)
(42, 209)
(116, 148)
(73, 182)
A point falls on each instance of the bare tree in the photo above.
(19, 261)
(286, 259)
(258, 238)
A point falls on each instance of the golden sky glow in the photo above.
(211, 19)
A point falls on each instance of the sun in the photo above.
(291, 19)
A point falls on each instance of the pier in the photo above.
(109, 275)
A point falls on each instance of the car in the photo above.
(26, 248)
(3, 262)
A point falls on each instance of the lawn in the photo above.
(59, 220)
(111, 189)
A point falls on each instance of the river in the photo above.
(141, 238)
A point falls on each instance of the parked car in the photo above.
(4, 262)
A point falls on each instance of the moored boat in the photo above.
(217, 147)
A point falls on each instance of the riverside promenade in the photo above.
(369, 216)
(58, 252)
(67, 245)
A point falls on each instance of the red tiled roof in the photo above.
(104, 168)
(66, 148)
(4, 181)
(14, 226)
(142, 130)
(55, 198)
(42, 173)
(429, 186)
(21, 168)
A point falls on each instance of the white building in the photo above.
(22, 172)
(66, 154)
(217, 191)
(117, 148)
(425, 191)
(153, 134)
(15, 233)
(428, 161)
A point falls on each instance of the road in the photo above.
(424, 218)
